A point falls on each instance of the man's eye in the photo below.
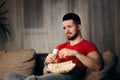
(64, 28)
(69, 26)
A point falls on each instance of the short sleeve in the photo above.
(91, 47)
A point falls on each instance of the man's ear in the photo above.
(79, 27)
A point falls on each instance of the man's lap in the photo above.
(51, 76)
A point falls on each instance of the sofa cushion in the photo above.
(19, 61)
(110, 61)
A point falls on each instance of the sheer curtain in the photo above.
(102, 25)
(37, 23)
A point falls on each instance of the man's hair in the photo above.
(72, 16)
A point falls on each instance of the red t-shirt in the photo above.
(84, 47)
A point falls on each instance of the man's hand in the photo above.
(51, 58)
(67, 52)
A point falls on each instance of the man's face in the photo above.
(70, 29)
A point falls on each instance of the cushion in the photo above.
(63, 67)
(19, 61)
(109, 63)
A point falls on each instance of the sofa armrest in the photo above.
(110, 61)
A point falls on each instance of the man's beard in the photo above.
(73, 37)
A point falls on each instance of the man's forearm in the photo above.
(45, 71)
(92, 62)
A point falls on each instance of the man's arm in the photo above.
(91, 61)
(51, 58)
(45, 71)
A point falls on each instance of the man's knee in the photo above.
(14, 76)
(32, 77)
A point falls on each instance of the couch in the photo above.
(28, 62)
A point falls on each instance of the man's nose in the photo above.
(67, 30)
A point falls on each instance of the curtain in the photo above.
(102, 25)
(37, 23)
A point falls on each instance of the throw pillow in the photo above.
(19, 61)
(110, 60)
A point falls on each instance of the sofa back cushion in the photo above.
(19, 61)
(40, 58)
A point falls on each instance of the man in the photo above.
(82, 52)
(85, 51)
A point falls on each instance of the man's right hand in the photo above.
(51, 58)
